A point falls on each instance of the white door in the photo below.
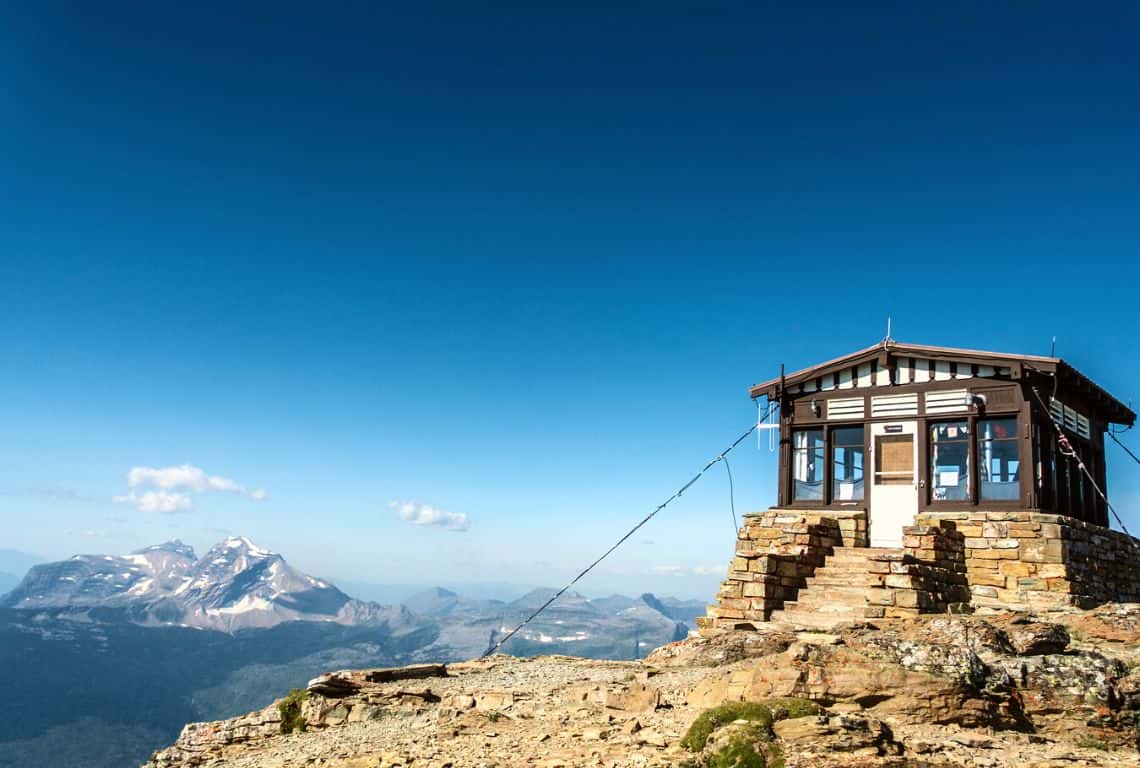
(894, 486)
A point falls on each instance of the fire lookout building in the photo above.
(931, 478)
(900, 429)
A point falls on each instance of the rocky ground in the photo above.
(979, 691)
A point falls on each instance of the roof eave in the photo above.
(1117, 412)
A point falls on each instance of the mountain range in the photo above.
(236, 585)
(121, 650)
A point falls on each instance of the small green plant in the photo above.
(761, 713)
(290, 710)
(741, 750)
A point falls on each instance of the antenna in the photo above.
(1053, 349)
(887, 339)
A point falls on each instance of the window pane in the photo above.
(998, 460)
(847, 436)
(807, 465)
(847, 464)
(950, 461)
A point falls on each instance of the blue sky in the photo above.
(521, 264)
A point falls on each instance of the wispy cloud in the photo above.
(172, 489)
(55, 493)
(688, 570)
(424, 514)
(90, 533)
(157, 501)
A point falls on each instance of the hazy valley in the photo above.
(121, 651)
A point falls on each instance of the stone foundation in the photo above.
(928, 575)
(776, 551)
(1037, 561)
(949, 562)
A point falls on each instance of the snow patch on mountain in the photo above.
(236, 585)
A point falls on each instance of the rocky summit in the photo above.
(236, 585)
(934, 691)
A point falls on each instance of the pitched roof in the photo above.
(1115, 411)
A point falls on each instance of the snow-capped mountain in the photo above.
(236, 585)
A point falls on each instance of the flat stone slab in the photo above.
(337, 685)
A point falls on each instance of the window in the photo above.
(807, 465)
(998, 463)
(847, 463)
(950, 461)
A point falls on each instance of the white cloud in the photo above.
(688, 570)
(172, 489)
(157, 501)
(424, 514)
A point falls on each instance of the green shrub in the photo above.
(290, 710)
(763, 713)
(740, 751)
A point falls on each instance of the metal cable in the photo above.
(731, 494)
(1116, 440)
(1067, 449)
(676, 495)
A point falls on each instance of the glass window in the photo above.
(998, 463)
(950, 461)
(807, 465)
(847, 464)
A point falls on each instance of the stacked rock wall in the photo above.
(928, 575)
(1036, 561)
(949, 562)
(776, 551)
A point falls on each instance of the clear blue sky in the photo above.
(521, 264)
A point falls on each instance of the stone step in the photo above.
(858, 581)
(828, 603)
(807, 620)
(831, 590)
(827, 596)
(835, 574)
(837, 592)
(829, 608)
(859, 554)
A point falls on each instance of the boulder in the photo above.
(1038, 638)
(723, 648)
(828, 734)
(635, 697)
(883, 673)
(334, 685)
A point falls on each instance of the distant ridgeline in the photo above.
(211, 637)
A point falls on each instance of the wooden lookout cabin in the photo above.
(900, 429)
(920, 478)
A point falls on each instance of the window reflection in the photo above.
(807, 465)
(998, 460)
(950, 461)
(847, 464)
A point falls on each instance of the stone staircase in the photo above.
(836, 594)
